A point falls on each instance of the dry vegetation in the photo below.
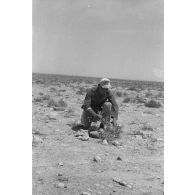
(63, 152)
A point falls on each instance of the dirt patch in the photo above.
(66, 160)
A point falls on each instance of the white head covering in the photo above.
(105, 83)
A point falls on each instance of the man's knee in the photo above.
(107, 105)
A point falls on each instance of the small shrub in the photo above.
(132, 89)
(62, 103)
(127, 100)
(52, 89)
(40, 93)
(76, 126)
(119, 94)
(59, 94)
(81, 91)
(62, 90)
(39, 82)
(54, 103)
(140, 100)
(46, 97)
(125, 93)
(147, 127)
(111, 133)
(152, 104)
(160, 95)
(69, 113)
(148, 94)
(38, 99)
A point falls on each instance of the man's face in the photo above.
(102, 90)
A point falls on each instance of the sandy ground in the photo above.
(60, 157)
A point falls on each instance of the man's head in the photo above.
(104, 85)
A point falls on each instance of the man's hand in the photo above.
(114, 121)
(93, 113)
(98, 117)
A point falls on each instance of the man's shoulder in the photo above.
(92, 89)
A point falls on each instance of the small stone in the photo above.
(36, 131)
(60, 185)
(84, 138)
(85, 193)
(119, 158)
(96, 159)
(51, 117)
(79, 133)
(63, 179)
(116, 143)
(94, 134)
(37, 139)
(122, 183)
(60, 164)
(40, 180)
(160, 139)
(101, 130)
(130, 186)
(105, 142)
(153, 139)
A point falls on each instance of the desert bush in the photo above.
(39, 82)
(62, 90)
(81, 91)
(111, 133)
(76, 125)
(132, 89)
(59, 103)
(52, 103)
(40, 93)
(62, 103)
(52, 89)
(46, 97)
(148, 94)
(147, 127)
(125, 94)
(38, 99)
(69, 112)
(59, 94)
(119, 94)
(152, 104)
(140, 99)
(127, 100)
(160, 95)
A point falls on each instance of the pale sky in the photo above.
(102, 38)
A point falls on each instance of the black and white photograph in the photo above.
(98, 97)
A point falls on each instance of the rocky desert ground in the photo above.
(65, 163)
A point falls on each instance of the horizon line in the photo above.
(97, 77)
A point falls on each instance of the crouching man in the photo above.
(99, 105)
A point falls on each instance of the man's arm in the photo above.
(114, 104)
(87, 101)
(87, 105)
